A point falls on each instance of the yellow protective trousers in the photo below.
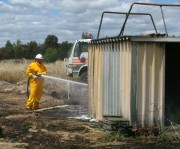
(36, 84)
(36, 90)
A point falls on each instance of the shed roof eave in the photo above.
(154, 39)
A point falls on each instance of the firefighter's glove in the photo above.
(34, 76)
(44, 73)
(30, 75)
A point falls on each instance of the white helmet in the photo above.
(39, 56)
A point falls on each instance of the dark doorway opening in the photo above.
(172, 83)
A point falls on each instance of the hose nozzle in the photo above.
(38, 75)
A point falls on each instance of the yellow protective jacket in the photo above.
(36, 85)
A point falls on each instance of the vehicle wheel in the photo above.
(84, 77)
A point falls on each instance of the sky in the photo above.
(34, 20)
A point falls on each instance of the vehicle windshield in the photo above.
(79, 48)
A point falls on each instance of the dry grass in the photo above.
(56, 69)
(13, 71)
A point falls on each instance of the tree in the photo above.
(18, 49)
(2, 53)
(51, 55)
(51, 41)
(9, 50)
(51, 49)
(64, 49)
(32, 47)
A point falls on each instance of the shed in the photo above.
(135, 78)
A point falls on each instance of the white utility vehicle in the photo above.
(77, 63)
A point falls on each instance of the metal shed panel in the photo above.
(109, 78)
(111, 73)
(95, 80)
(150, 83)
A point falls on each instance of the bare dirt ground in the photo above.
(54, 128)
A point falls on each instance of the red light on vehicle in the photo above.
(82, 59)
(90, 36)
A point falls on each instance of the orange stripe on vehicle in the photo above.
(77, 61)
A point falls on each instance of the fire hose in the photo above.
(28, 87)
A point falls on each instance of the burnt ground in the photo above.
(55, 128)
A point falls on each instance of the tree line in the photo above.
(50, 49)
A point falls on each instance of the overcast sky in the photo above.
(34, 20)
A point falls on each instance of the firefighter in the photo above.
(34, 72)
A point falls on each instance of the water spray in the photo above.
(64, 80)
(54, 78)
(58, 79)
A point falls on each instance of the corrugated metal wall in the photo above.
(126, 80)
(109, 78)
(150, 83)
